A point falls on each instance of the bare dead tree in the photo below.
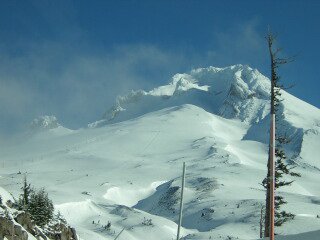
(276, 165)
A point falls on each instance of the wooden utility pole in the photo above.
(181, 202)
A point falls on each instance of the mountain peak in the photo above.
(44, 123)
(237, 91)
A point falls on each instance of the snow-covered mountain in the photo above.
(126, 168)
(45, 122)
(40, 126)
(235, 92)
(232, 92)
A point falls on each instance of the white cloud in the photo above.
(51, 79)
(240, 44)
(77, 83)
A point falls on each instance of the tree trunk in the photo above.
(269, 217)
(267, 214)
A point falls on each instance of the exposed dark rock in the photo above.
(15, 225)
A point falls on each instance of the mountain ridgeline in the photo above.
(234, 92)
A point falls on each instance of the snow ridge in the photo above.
(233, 92)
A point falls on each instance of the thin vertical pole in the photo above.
(272, 176)
(12, 235)
(181, 202)
(24, 191)
(119, 234)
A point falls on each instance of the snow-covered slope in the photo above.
(232, 92)
(126, 168)
(235, 92)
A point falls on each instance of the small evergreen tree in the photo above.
(281, 169)
(59, 217)
(0, 200)
(24, 198)
(26, 192)
(40, 207)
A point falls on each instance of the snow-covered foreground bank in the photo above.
(128, 171)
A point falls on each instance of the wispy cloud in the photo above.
(77, 84)
(242, 43)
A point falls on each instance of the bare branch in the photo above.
(286, 88)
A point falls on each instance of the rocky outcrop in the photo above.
(25, 221)
(62, 231)
(11, 230)
(17, 225)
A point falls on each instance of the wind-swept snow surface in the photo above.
(126, 168)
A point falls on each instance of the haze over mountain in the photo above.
(126, 167)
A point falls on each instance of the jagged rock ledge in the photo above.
(17, 225)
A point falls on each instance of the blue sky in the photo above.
(72, 58)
